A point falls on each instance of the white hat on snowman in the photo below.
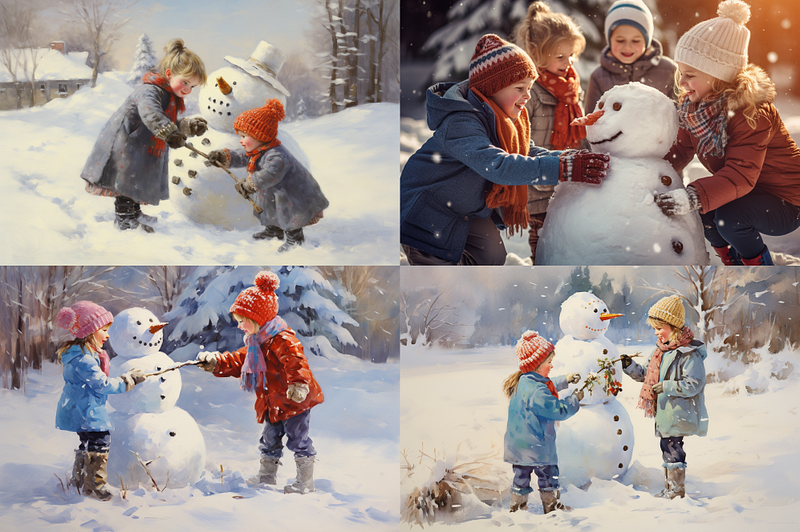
(265, 63)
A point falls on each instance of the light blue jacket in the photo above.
(681, 408)
(532, 412)
(444, 184)
(82, 407)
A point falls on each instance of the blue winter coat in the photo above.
(532, 413)
(444, 184)
(82, 407)
(285, 189)
(681, 408)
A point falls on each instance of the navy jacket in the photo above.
(444, 184)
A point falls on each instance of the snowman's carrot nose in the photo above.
(224, 88)
(587, 120)
(157, 327)
(604, 316)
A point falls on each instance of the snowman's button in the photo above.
(620, 466)
(677, 245)
(193, 173)
(172, 433)
(624, 447)
(616, 418)
(163, 397)
(666, 180)
(187, 191)
(619, 432)
(175, 181)
(178, 162)
(205, 142)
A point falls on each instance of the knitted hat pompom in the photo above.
(259, 302)
(736, 10)
(67, 318)
(261, 123)
(267, 281)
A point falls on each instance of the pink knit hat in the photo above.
(83, 318)
(532, 350)
(259, 302)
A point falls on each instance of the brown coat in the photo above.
(286, 364)
(765, 159)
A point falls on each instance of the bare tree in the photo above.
(19, 47)
(385, 38)
(430, 320)
(169, 282)
(102, 21)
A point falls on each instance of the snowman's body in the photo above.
(618, 222)
(206, 194)
(598, 440)
(147, 424)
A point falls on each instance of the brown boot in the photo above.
(78, 470)
(519, 502)
(551, 500)
(94, 483)
(674, 484)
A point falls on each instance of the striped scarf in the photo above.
(566, 91)
(706, 121)
(254, 367)
(256, 153)
(175, 106)
(647, 399)
(514, 137)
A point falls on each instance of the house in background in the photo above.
(58, 75)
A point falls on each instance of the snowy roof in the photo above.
(53, 65)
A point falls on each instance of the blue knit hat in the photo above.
(630, 13)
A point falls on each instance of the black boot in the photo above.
(269, 232)
(294, 238)
(126, 214)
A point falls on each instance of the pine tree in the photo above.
(144, 59)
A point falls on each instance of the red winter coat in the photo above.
(765, 158)
(286, 364)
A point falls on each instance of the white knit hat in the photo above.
(718, 47)
(630, 13)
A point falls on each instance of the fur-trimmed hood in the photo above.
(751, 86)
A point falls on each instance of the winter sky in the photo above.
(214, 29)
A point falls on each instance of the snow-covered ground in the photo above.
(355, 432)
(353, 155)
(785, 250)
(742, 476)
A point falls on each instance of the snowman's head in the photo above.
(585, 316)
(136, 332)
(636, 121)
(231, 91)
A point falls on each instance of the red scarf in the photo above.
(567, 92)
(515, 137)
(552, 388)
(647, 399)
(256, 153)
(175, 105)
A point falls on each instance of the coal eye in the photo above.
(617, 106)
(138, 323)
(600, 105)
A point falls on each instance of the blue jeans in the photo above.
(742, 221)
(672, 452)
(547, 478)
(95, 442)
(296, 431)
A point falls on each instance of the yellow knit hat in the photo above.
(670, 310)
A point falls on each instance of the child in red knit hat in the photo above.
(272, 365)
(286, 191)
(533, 409)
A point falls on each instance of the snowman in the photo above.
(617, 222)
(146, 421)
(206, 194)
(598, 440)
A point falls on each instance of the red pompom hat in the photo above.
(83, 318)
(259, 302)
(532, 350)
(261, 123)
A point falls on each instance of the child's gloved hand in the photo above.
(297, 392)
(132, 378)
(678, 202)
(578, 395)
(573, 378)
(208, 360)
(245, 187)
(658, 388)
(192, 127)
(625, 360)
(583, 166)
(176, 139)
(219, 158)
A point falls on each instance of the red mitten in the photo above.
(583, 166)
